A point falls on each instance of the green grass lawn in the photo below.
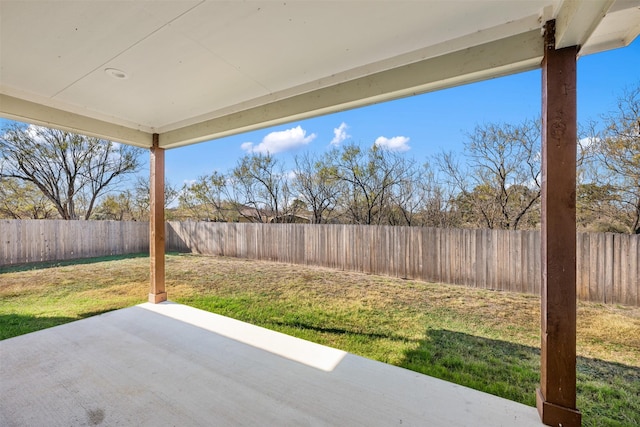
(481, 339)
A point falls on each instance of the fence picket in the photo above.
(608, 265)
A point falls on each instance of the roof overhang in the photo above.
(198, 70)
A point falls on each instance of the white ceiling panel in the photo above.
(47, 46)
(335, 36)
(197, 70)
(169, 78)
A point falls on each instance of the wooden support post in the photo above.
(157, 292)
(556, 397)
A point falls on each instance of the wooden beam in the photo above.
(157, 292)
(577, 20)
(556, 397)
(40, 114)
(434, 71)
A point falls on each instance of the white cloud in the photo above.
(34, 133)
(589, 141)
(290, 176)
(284, 140)
(397, 143)
(340, 134)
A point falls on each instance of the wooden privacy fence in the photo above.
(607, 264)
(24, 241)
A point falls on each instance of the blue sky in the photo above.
(421, 125)
(427, 124)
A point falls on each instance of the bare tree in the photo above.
(65, 167)
(499, 182)
(259, 189)
(419, 200)
(141, 200)
(411, 195)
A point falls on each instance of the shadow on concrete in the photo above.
(607, 391)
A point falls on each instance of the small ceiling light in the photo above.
(116, 74)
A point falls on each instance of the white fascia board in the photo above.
(576, 20)
(513, 54)
(618, 29)
(484, 36)
(604, 46)
(32, 112)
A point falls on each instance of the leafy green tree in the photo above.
(205, 198)
(597, 207)
(370, 177)
(317, 185)
(115, 207)
(23, 200)
(618, 154)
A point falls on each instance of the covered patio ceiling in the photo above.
(195, 70)
(166, 74)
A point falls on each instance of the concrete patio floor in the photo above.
(174, 365)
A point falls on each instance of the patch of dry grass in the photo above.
(31, 296)
(483, 339)
(609, 332)
(604, 331)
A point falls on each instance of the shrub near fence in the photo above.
(26, 241)
(607, 264)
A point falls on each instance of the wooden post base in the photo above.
(157, 298)
(554, 415)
